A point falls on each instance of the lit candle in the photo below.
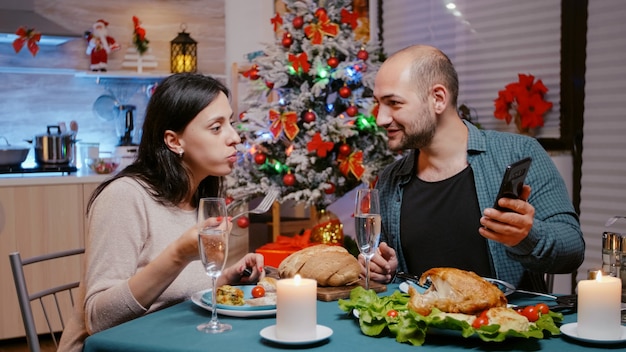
(296, 309)
(599, 304)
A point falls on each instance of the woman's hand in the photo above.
(235, 274)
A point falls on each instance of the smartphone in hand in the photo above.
(513, 181)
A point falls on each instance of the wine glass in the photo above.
(213, 230)
(367, 225)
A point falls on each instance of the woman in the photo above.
(141, 234)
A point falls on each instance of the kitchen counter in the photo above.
(50, 178)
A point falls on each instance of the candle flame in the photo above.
(297, 279)
(599, 275)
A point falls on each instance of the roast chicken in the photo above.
(455, 291)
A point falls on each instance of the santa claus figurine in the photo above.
(100, 45)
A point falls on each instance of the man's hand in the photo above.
(509, 228)
(383, 265)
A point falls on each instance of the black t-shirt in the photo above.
(439, 225)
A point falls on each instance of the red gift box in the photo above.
(275, 252)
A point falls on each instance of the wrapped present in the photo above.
(275, 252)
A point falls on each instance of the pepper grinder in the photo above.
(611, 253)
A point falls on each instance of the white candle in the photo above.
(599, 304)
(296, 309)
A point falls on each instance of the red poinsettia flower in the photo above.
(139, 36)
(523, 101)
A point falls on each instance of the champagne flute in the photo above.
(367, 225)
(213, 229)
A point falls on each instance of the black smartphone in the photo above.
(513, 181)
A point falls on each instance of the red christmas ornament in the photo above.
(362, 54)
(298, 22)
(289, 180)
(309, 116)
(242, 115)
(352, 110)
(269, 84)
(259, 158)
(320, 12)
(331, 189)
(332, 62)
(287, 40)
(243, 222)
(228, 200)
(254, 75)
(345, 92)
(344, 149)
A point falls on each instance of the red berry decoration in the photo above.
(287, 40)
(332, 62)
(228, 200)
(344, 149)
(345, 92)
(331, 189)
(362, 54)
(289, 180)
(269, 84)
(254, 74)
(298, 22)
(242, 115)
(352, 110)
(320, 12)
(243, 222)
(309, 116)
(259, 158)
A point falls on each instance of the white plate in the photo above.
(571, 330)
(506, 287)
(196, 298)
(321, 333)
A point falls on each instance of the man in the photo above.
(437, 200)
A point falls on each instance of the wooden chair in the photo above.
(50, 299)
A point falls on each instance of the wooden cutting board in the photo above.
(334, 293)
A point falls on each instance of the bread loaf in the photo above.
(328, 265)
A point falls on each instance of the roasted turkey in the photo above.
(455, 291)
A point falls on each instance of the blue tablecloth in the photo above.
(174, 329)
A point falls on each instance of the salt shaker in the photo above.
(611, 253)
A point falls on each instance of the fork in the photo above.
(264, 206)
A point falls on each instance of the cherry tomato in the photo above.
(483, 314)
(519, 310)
(392, 313)
(480, 321)
(531, 313)
(258, 291)
(542, 308)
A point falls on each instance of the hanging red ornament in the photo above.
(289, 179)
(344, 149)
(287, 40)
(352, 110)
(309, 116)
(345, 92)
(254, 75)
(331, 189)
(362, 54)
(242, 115)
(332, 61)
(228, 200)
(260, 158)
(243, 222)
(298, 22)
(320, 12)
(269, 84)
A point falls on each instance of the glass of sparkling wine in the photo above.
(213, 229)
(367, 225)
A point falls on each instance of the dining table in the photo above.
(174, 329)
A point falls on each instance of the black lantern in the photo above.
(183, 53)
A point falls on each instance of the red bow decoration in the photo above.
(296, 242)
(277, 21)
(317, 143)
(287, 121)
(349, 18)
(27, 36)
(316, 31)
(252, 73)
(353, 163)
(301, 60)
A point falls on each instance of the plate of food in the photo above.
(241, 301)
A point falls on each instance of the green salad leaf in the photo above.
(410, 327)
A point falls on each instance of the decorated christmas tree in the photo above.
(309, 124)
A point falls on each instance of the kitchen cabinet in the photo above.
(35, 219)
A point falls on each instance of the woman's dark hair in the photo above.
(176, 101)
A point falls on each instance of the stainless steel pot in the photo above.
(12, 155)
(55, 147)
